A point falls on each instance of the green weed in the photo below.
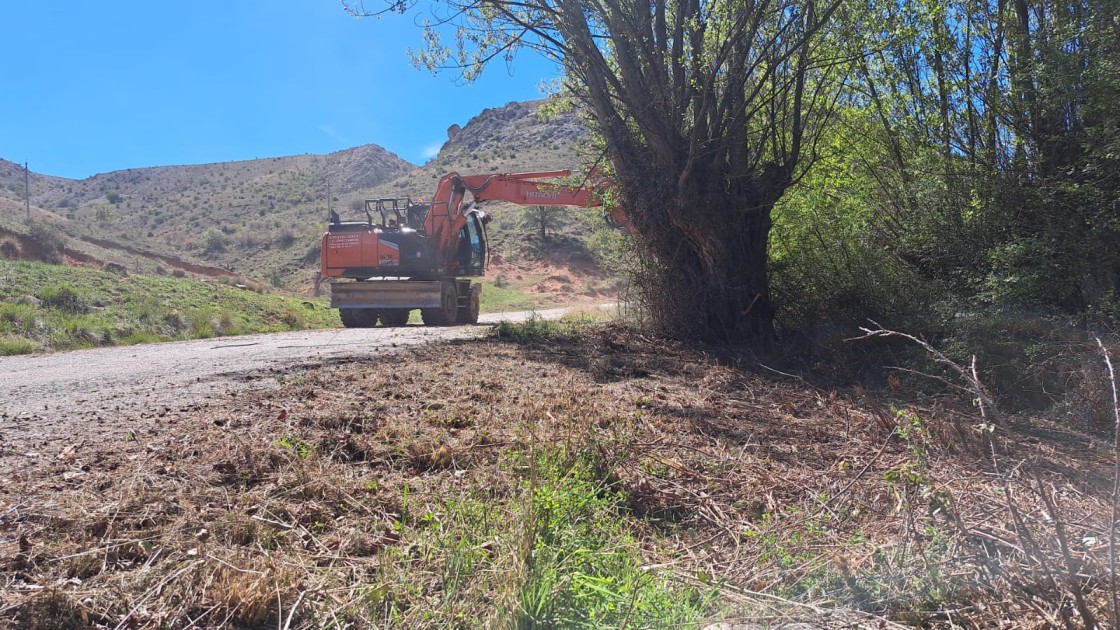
(582, 568)
(548, 547)
(301, 448)
(538, 329)
(10, 347)
(64, 298)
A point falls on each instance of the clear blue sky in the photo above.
(91, 87)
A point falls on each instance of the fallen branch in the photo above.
(271, 523)
(1115, 490)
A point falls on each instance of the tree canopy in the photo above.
(977, 141)
(705, 110)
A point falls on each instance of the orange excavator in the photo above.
(412, 255)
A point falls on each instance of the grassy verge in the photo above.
(607, 481)
(518, 297)
(535, 329)
(51, 307)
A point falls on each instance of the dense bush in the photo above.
(213, 241)
(9, 249)
(63, 297)
(48, 239)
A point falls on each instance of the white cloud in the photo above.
(328, 130)
(431, 150)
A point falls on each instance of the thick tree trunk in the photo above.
(712, 277)
(728, 281)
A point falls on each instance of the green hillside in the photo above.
(52, 307)
(263, 218)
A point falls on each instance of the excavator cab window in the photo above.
(415, 214)
(474, 245)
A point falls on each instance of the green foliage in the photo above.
(64, 298)
(294, 319)
(299, 447)
(275, 278)
(834, 262)
(583, 569)
(213, 241)
(999, 182)
(500, 295)
(1024, 274)
(701, 169)
(19, 317)
(544, 219)
(551, 550)
(9, 346)
(105, 213)
(536, 329)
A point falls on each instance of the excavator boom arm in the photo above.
(446, 217)
(520, 188)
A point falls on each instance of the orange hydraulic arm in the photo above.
(446, 216)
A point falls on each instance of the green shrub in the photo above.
(105, 213)
(538, 329)
(82, 336)
(175, 322)
(201, 323)
(13, 346)
(227, 325)
(63, 297)
(213, 241)
(285, 238)
(50, 242)
(19, 317)
(294, 319)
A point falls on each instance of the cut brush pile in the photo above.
(559, 476)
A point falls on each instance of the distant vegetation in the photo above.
(263, 218)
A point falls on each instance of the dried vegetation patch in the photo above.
(571, 476)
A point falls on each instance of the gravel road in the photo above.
(54, 397)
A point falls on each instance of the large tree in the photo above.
(708, 111)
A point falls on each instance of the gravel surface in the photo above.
(98, 393)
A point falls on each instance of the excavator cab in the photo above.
(473, 250)
(415, 213)
(391, 211)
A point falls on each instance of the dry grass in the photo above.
(403, 492)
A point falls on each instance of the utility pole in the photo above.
(27, 191)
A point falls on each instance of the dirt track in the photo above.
(50, 401)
